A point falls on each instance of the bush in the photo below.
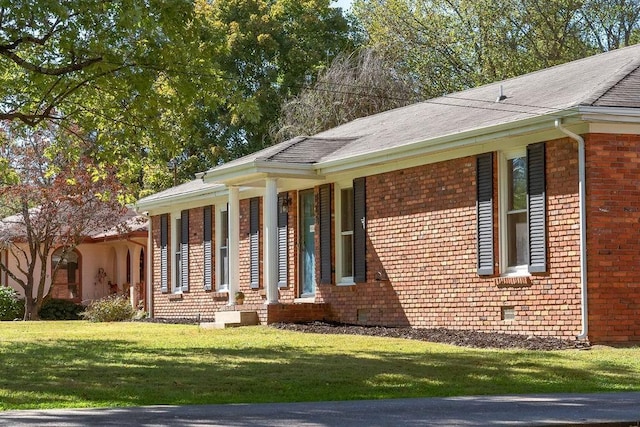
(114, 308)
(60, 309)
(11, 306)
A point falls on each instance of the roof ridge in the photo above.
(634, 61)
(285, 146)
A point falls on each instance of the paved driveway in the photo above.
(619, 409)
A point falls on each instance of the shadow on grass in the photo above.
(103, 373)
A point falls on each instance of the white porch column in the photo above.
(234, 246)
(270, 242)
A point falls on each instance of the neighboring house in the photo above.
(512, 207)
(106, 262)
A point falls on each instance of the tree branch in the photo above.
(8, 52)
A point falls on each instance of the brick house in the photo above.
(512, 207)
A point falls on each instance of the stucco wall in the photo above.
(109, 256)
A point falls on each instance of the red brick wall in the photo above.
(421, 258)
(421, 228)
(613, 240)
(196, 303)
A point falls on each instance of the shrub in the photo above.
(60, 309)
(114, 308)
(11, 306)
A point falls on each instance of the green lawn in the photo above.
(80, 364)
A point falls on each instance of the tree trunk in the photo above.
(31, 308)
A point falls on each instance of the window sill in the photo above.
(304, 300)
(513, 281)
(220, 295)
(175, 297)
(349, 283)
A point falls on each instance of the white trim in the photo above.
(258, 170)
(503, 198)
(220, 285)
(270, 241)
(609, 114)
(176, 246)
(338, 234)
(168, 202)
(234, 242)
(449, 142)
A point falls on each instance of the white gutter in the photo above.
(583, 226)
(446, 142)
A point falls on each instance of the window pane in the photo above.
(347, 255)
(517, 170)
(224, 267)
(346, 231)
(518, 238)
(224, 244)
(178, 246)
(347, 209)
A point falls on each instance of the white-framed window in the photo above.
(222, 242)
(514, 228)
(177, 251)
(344, 230)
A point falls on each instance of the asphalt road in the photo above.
(612, 409)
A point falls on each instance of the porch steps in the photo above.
(228, 319)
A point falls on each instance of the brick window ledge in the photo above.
(513, 281)
(220, 296)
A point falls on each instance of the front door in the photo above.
(307, 244)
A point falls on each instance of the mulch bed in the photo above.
(461, 338)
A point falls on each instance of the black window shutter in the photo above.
(283, 220)
(359, 231)
(184, 250)
(164, 283)
(536, 208)
(254, 249)
(324, 208)
(207, 247)
(484, 208)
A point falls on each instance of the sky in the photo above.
(344, 4)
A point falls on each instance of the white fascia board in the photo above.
(258, 170)
(445, 143)
(610, 114)
(293, 170)
(168, 202)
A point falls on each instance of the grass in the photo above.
(81, 364)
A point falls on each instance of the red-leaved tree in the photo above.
(56, 197)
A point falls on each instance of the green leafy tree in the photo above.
(125, 76)
(273, 49)
(451, 45)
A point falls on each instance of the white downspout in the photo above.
(583, 226)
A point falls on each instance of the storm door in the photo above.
(307, 244)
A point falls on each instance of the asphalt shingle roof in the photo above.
(610, 79)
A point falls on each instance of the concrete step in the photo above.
(228, 319)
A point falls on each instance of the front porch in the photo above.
(266, 314)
